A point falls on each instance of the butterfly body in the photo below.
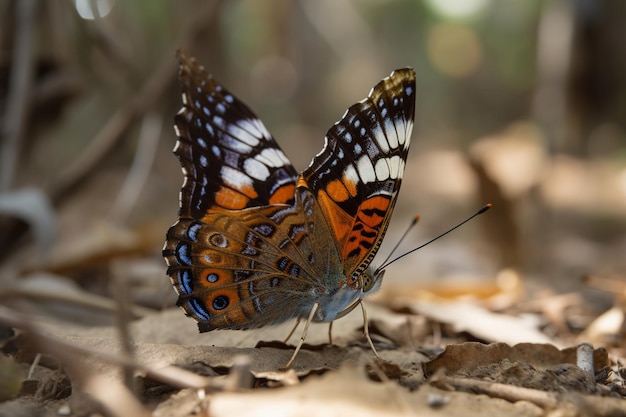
(259, 244)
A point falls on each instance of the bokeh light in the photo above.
(93, 9)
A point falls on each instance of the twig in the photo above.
(149, 136)
(118, 400)
(122, 313)
(19, 88)
(82, 299)
(581, 403)
(109, 136)
(112, 132)
(69, 355)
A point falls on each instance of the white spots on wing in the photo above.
(404, 133)
(216, 150)
(408, 90)
(392, 134)
(209, 129)
(408, 129)
(205, 109)
(229, 98)
(202, 143)
(236, 145)
(382, 169)
(221, 109)
(235, 178)
(239, 132)
(396, 166)
(272, 157)
(366, 169)
(386, 168)
(219, 122)
(256, 169)
(357, 148)
(381, 139)
(255, 125)
(203, 161)
(351, 175)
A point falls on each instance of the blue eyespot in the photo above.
(220, 302)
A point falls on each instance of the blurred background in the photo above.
(520, 103)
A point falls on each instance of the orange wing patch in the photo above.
(373, 210)
(350, 185)
(340, 222)
(283, 194)
(230, 199)
(337, 191)
(366, 227)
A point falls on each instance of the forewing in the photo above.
(357, 176)
(229, 159)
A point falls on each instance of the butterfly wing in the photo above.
(251, 249)
(250, 268)
(357, 176)
(229, 159)
(242, 253)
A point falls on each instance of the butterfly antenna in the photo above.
(406, 232)
(387, 263)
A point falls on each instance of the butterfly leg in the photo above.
(292, 331)
(304, 333)
(330, 333)
(366, 331)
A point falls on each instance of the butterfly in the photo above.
(258, 243)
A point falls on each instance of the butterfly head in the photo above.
(372, 279)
